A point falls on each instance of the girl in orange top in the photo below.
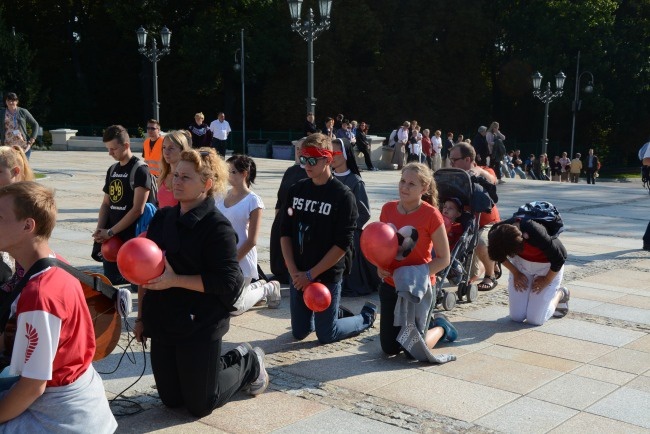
(420, 227)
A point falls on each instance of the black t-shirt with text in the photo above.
(121, 195)
(318, 217)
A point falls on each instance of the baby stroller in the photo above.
(458, 183)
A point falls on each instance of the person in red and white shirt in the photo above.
(56, 386)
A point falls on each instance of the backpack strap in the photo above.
(5, 309)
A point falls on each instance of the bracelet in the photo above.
(308, 274)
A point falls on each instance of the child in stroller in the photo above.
(469, 200)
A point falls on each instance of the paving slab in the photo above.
(604, 374)
(558, 346)
(339, 421)
(602, 334)
(627, 405)
(527, 415)
(593, 424)
(626, 360)
(573, 391)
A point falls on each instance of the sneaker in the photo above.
(562, 307)
(501, 181)
(369, 313)
(440, 320)
(274, 298)
(258, 386)
(244, 348)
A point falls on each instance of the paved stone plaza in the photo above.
(588, 372)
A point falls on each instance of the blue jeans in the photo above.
(329, 327)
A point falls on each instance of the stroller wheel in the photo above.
(449, 301)
(472, 293)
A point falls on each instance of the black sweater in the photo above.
(203, 242)
(316, 218)
(552, 247)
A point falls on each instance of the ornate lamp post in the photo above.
(154, 54)
(309, 30)
(575, 107)
(546, 96)
(239, 66)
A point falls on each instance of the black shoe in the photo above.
(369, 313)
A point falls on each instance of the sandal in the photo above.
(489, 285)
(563, 305)
(497, 271)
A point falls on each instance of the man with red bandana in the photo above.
(318, 222)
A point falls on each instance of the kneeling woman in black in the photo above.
(186, 310)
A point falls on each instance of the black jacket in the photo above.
(203, 242)
(538, 236)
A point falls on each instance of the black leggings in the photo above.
(387, 331)
(366, 156)
(197, 376)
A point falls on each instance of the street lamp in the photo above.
(309, 30)
(546, 96)
(154, 54)
(239, 66)
(575, 107)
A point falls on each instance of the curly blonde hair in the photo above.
(209, 165)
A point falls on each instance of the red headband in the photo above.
(312, 151)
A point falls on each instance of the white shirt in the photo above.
(239, 217)
(219, 129)
(436, 144)
(403, 135)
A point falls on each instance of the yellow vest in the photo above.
(152, 155)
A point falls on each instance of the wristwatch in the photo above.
(109, 232)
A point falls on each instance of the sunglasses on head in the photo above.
(312, 161)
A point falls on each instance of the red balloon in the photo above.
(317, 297)
(110, 248)
(140, 260)
(379, 244)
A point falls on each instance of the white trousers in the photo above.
(526, 305)
(251, 294)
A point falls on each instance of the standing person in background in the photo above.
(426, 146)
(13, 125)
(201, 132)
(645, 161)
(592, 164)
(363, 145)
(566, 167)
(576, 168)
(400, 146)
(243, 208)
(480, 144)
(493, 133)
(362, 279)
(310, 125)
(152, 147)
(292, 175)
(446, 147)
(329, 130)
(436, 148)
(556, 169)
(174, 143)
(220, 129)
(318, 225)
